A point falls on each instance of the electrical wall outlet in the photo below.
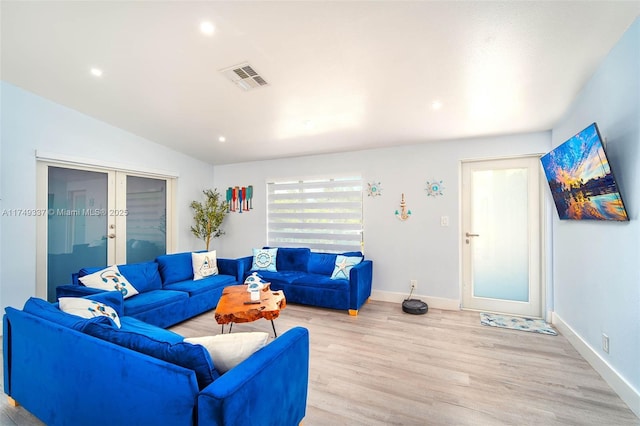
(414, 284)
(605, 343)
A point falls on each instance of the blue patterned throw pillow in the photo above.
(264, 260)
(343, 266)
(109, 279)
(86, 308)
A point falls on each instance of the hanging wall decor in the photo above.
(403, 214)
(374, 189)
(240, 198)
(434, 188)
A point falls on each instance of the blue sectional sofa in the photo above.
(68, 370)
(168, 293)
(306, 278)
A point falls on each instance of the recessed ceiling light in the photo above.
(96, 72)
(207, 28)
(222, 139)
(436, 105)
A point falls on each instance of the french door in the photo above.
(501, 236)
(98, 217)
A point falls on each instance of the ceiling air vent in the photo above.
(244, 76)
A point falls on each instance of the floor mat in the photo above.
(517, 323)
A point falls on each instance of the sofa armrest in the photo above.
(360, 280)
(49, 370)
(229, 267)
(244, 265)
(269, 387)
(71, 290)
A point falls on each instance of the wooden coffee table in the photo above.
(234, 306)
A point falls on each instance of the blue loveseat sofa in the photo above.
(68, 370)
(306, 278)
(168, 293)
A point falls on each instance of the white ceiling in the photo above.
(342, 75)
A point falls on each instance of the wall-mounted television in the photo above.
(581, 181)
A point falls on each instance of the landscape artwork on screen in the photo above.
(581, 181)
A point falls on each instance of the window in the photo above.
(323, 214)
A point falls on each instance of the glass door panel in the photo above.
(146, 218)
(76, 224)
(97, 217)
(500, 254)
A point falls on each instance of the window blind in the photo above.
(321, 214)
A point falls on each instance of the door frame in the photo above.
(114, 173)
(544, 223)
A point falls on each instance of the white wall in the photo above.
(416, 249)
(597, 279)
(31, 123)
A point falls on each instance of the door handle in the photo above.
(111, 235)
(469, 235)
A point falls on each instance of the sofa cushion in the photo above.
(202, 286)
(51, 312)
(343, 267)
(175, 267)
(264, 259)
(85, 308)
(292, 259)
(353, 253)
(109, 278)
(193, 357)
(144, 276)
(321, 281)
(322, 263)
(110, 298)
(134, 325)
(229, 350)
(153, 299)
(204, 264)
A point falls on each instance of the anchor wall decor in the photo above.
(403, 214)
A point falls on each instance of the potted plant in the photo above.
(208, 216)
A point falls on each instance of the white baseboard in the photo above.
(624, 389)
(433, 302)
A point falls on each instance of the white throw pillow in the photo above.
(229, 350)
(204, 265)
(110, 279)
(87, 308)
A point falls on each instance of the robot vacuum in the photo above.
(414, 306)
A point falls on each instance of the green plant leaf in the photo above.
(208, 216)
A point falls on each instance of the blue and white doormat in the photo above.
(517, 323)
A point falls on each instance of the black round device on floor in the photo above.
(414, 306)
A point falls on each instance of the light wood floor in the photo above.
(385, 367)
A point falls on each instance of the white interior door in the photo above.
(501, 236)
